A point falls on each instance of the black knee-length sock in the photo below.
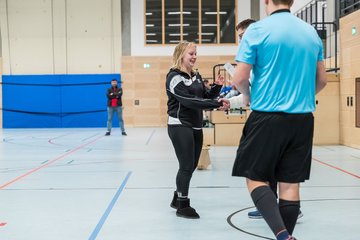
(289, 211)
(265, 201)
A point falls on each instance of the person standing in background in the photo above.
(114, 104)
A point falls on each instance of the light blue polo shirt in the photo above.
(284, 51)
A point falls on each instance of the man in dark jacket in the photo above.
(114, 104)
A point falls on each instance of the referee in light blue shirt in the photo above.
(286, 56)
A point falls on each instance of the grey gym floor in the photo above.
(75, 184)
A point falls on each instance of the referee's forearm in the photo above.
(243, 86)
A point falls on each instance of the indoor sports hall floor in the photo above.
(77, 184)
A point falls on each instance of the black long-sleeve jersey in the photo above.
(114, 93)
(187, 97)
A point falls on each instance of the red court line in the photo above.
(337, 168)
(48, 163)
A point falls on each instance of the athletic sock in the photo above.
(265, 201)
(284, 235)
(289, 211)
(180, 195)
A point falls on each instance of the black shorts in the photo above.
(275, 147)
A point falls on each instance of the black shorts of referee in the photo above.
(275, 146)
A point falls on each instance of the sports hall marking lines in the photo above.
(337, 168)
(243, 229)
(151, 135)
(48, 163)
(52, 139)
(109, 208)
(85, 139)
(355, 156)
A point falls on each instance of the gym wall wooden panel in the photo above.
(327, 116)
(349, 67)
(144, 84)
(144, 90)
(330, 62)
(205, 64)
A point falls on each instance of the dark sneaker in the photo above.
(173, 202)
(255, 215)
(300, 214)
(184, 210)
(107, 134)
(124, 133)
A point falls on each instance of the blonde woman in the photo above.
(187, 97)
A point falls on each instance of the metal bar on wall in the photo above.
(181, 20)
(200, 22)
(357, 102)
(163, 21)
(218, 21)
(145, 22)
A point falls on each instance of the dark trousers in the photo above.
(187, 143)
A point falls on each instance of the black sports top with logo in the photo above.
(187, 97)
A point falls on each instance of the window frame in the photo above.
(200, 4)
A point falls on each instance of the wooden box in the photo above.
(221, 117)
(228, 134)
(209, 136)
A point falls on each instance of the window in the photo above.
(227, 22)
(172, 22)
(153, 18)
(200, 21)
(209, 23)
(191, 20)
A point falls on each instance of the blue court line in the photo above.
(90, 137)
(151, 135)
(109, 208)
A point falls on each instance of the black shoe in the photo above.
(173, 202)
(107, 134)
(184, 210)
(124, 133)
(300, 214)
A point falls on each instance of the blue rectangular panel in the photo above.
(31, 98)
(26, 120)
(73, 100)
(95, 119)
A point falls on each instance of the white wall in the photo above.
(297, 5)
(60, 36)
(138, 47)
